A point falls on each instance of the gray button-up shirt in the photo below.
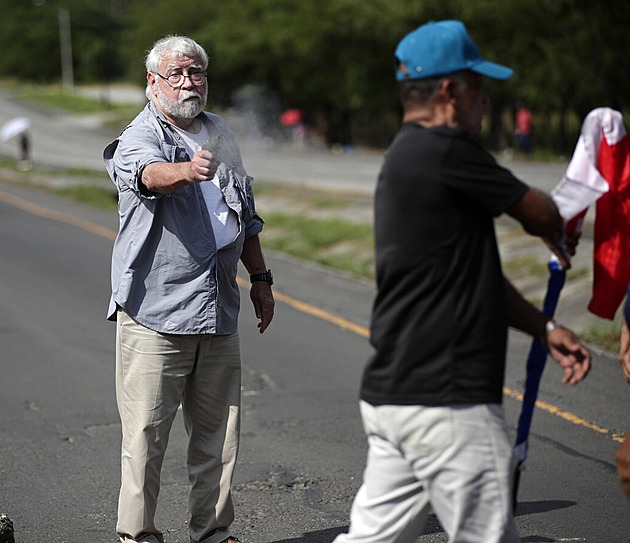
(167, 273)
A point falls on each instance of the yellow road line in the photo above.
(566, 415)
(288, 300)
(314, 311)
(59, 216)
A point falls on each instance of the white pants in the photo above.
(456, 459)
(154, 374)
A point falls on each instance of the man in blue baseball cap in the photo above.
(431, 394)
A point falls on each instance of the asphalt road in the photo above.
(302, 445)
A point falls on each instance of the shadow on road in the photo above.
(432, 526)
(531, 508)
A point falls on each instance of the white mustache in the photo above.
(185, 94)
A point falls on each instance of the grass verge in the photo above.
(94, 196)
(332, 242)
(53, 97)
(605, 336)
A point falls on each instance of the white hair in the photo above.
(176, 46)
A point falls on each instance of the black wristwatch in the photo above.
(267, 276)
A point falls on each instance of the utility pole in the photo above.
(65, 41)
(65, 46)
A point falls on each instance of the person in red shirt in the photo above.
(524, 129)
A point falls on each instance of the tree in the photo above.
(31, 44)
(327, 57)
(334, 58)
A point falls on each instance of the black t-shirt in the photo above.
(439, 323)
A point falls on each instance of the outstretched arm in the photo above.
(166, 177)
(563, 345)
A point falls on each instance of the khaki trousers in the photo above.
(457, 460)
(155, 373)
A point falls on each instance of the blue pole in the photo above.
(535, 366)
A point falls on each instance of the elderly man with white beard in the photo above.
(187, 216)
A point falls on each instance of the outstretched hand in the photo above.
(567, 350)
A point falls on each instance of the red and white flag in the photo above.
(600, 172)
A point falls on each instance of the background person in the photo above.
(523, 129)
(431, 395)
(187, 216)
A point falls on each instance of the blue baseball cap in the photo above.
(441, 48)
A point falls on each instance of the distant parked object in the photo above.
(19, 127)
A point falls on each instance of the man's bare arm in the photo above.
(166, 177)
(539, 216)
(563, 345)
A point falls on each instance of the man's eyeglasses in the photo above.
(177, 80)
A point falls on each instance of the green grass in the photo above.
(605, 336)
(68, 102)
(82, 186)
(9, 164)
(331, 242)
(314, 199)
(576, 273)
(94, 196)
(525, 265)
(533, 266)
(54, 97)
